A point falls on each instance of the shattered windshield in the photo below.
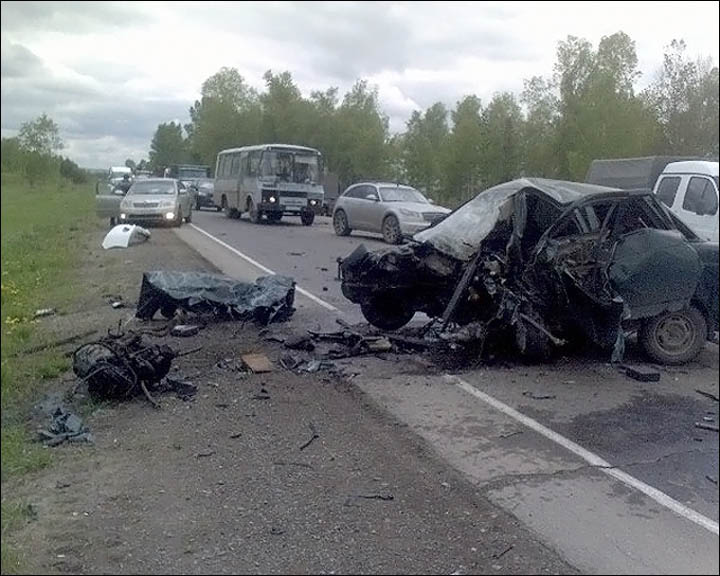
(399, 194)
(149, 188)
(291, 167)
(460, 234)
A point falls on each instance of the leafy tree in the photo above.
(685, 98)
(464, 159)
(41, 135)
(130, 163)
(425, 143)
(502, 122)
(168, 146)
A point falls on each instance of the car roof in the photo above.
(146, 180)
(566, 192)
(693, 167)
(269, 147)
(380, 183)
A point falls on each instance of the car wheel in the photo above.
(179, 219)
(391, 230)
(255, 214)
(340, 223)
(674, 337)
(386, 313)
(307, 218)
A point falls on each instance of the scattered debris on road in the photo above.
(184, 330)
(384, 497)
(205, 453)
(65, 426)
(269, 299)
(314, 436)
(44, 312)
(300, 342)
(124, 235)
(711, 479)
(640, 373)
(534, 396)
(121, 366)
(184, 390)
(498, 555)
(705, 426)
(262, 395)
(118, 304)
(257, 363)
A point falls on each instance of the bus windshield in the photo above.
(290, 166)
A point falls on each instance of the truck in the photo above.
(687, 185)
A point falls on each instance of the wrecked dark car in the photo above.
(549, 261)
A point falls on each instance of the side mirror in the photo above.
(372, 197)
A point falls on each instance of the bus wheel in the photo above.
(255, 214)
(307, 218)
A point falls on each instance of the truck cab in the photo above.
(690, 190)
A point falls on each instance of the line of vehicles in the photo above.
(272, 181)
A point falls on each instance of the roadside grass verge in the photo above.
(40, 231)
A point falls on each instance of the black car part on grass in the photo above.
(547, 260)
(269, 299)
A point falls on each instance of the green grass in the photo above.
(14, 516)
(43, 230)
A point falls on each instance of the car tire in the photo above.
(391, 230)
(254, 213)
(188, 218)
(674, 337)
(386, 313)
(340, 223)
(179, 220)
(307, 218)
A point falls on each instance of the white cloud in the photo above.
(109, 72)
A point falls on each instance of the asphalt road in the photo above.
(612, 473)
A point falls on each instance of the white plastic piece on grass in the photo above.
(124, 235)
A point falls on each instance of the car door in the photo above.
(353, 206)
(698, 207)
(370, 209)
(376, 211)
(107, 200)
(184, 199)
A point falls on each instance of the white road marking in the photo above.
(590, 457)
(265, 269)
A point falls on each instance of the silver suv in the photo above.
(393, 210)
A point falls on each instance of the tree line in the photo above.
(588, 108)
(33, 154)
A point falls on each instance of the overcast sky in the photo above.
(109, 72)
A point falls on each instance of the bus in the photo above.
(269, 181)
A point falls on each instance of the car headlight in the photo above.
(272, 200)
(410, 213)
(313, 202)
(170, 216)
